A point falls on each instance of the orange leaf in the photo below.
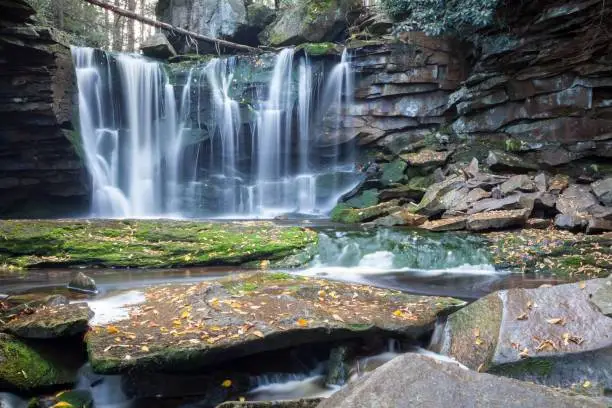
(302, 322)
(112, 329)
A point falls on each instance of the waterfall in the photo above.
(215, 145)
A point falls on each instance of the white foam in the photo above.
(114, 308)
(310, 387)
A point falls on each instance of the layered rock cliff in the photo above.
(41, 173)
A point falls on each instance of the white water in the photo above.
(154, 150)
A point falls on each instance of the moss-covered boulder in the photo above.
(393, 172)
(145, 243)
(184, 328)
(552, 336)
(51, 322)
(347, 215)
(23, 368)
(320, 49)
(366, 199)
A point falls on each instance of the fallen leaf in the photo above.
(480, 368)
(63, 404)
(226, 383)
(558, 320)
(582, 285)
(112, 329)
(522, 316)
(546, 345)
(336, 317)
(524, 353)
(302, 322)
(185, 314)
(586, 384)
(258, 333)
(145, 349)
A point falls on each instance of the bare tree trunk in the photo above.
(118, 11)
(117, 20)
(58, 13)
(142, 26)
(131, 37)
(107, 30)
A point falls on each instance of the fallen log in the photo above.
(166, 26)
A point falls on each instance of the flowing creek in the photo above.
(434, 264)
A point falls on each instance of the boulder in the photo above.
(576, 200)
(249, 314)
(158, 46)
(310, 21)
(51, 322)
(573, 223)
(446, 224)
(426, 158)
(347, 215)
(552, 336)
(501, 161)
(602, 297)
(414, 380)
(537, 223)
(367, 198)
(393, 172)
(23, 368)
(472, 170)
(603, 191)
(432, 202)
(82, 283)
(512, 202)
(520, 182)
(598, 225)
(498, 219)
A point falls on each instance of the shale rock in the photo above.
(501, 161)
(552, 336)
(446, 224)
(603, 191)
(408, 381)
(598, 225)
(576, 200)
(51, 322)
(433, 200)
(249, 314)
(426, 158)
(573, 223)
(521, 183)
(498, 219)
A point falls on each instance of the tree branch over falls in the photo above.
(169, 27)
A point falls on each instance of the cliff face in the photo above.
(40, 171)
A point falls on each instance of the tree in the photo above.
(131, 36)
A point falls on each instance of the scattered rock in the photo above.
(551, 336)
(501, 161)
(576, 200)
(574, 223)
(538, 223)
(82, 283)
(558, 183)
(414, 380)
(249, 314)
(541, 182)
(403, 217)
(446, 224)
(432, 204)
(603, 191)
(426, 158)
(512, 202)
(498, 219)
(158, 46)
(598, 225)
(472, 169)
(347, 215)
(51, 322)
(23, 368)
(477, 194)
(521, 183)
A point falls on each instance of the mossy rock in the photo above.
(393, 172)
(320, 49)
(366, 199)
(145, 243)
(23, 368)
(344, 214)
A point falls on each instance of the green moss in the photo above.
(279, 276)
(23, 368)
(528, 367)
(319, 49)
(145, 243)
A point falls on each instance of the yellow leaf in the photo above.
(522, 316)
(557, 320)
(398, 313)
(185, 314)
(264, 264)
(145, 349)
(176, 322)
(241, 399)
(302, 322)
(524, 353)
(258, 333)
(226, 383)
(587, 384)
(63, 404)
(112, 329)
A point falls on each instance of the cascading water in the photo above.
(218, 146)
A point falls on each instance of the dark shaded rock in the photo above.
(414, 380)
(393, 172)
(158, 46)
(51, 322)
(446, 224)
(501, 161)
(538, 223)
(521, 183)
(82, 283)
(259, 16)
(493, 220)
(414, 190)
(552, 336)
(598, 225)
(338, 366)
(603, 191)
(261, 313)
(17, 358)
(576, 200)
(485, 181)
(574, 223)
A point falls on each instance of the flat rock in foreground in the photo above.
(51, 322)
(413, 380)
(183, 328)
(554, 336)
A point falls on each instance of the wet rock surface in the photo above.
(51, 322)
(552, 336)
(183, 329)
(82, 283)
(302, 403)
(408, 381)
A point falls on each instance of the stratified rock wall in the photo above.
(542, 85)
(41, 173)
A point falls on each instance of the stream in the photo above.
(455, 265)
